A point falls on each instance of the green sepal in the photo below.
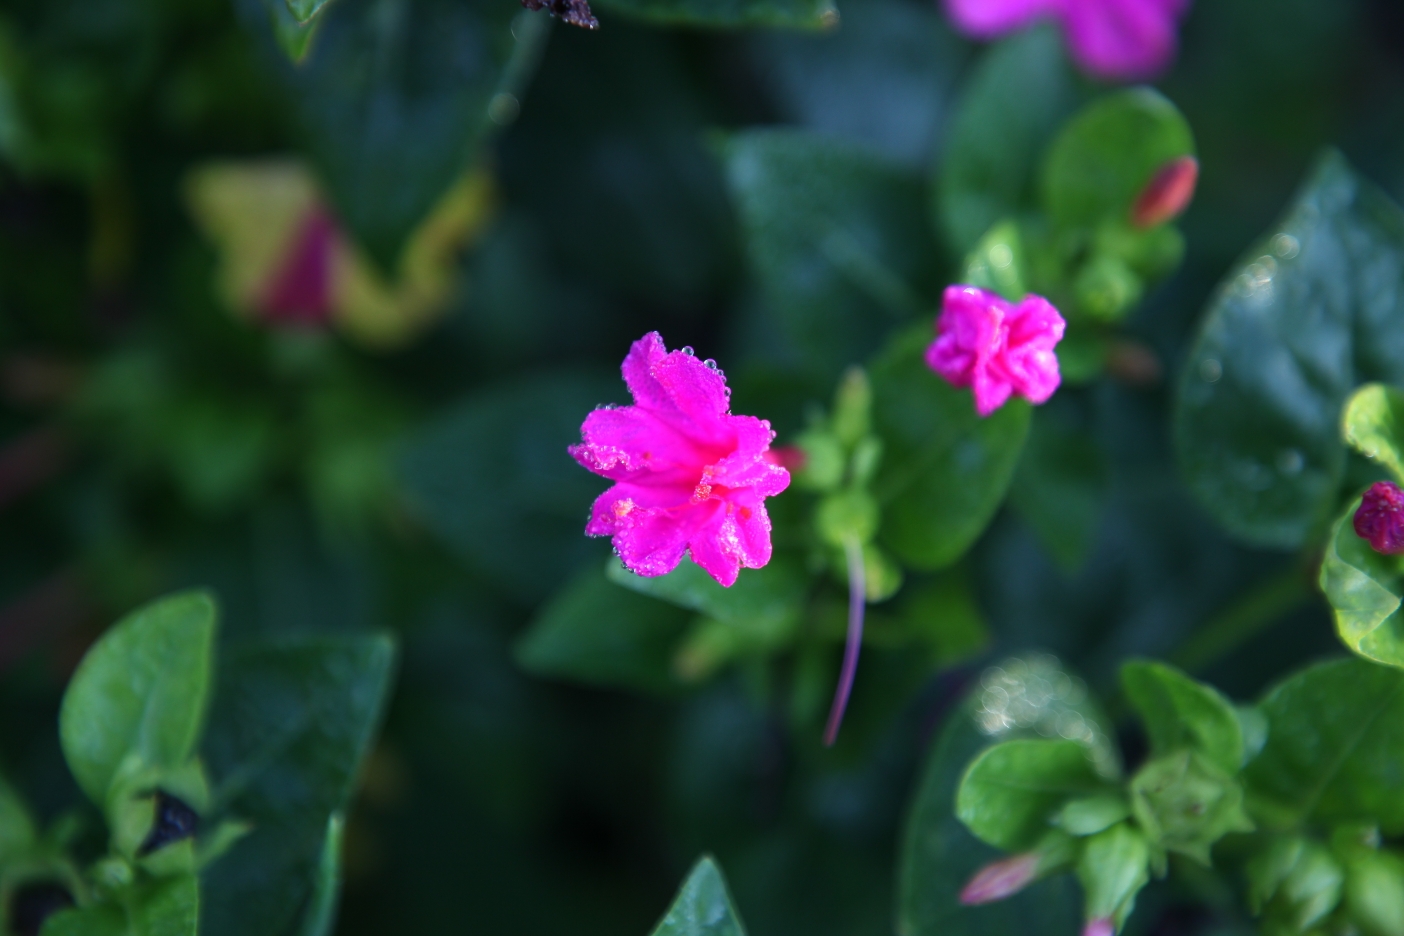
(1089, 815)
(1186, 803)
(1113, 867)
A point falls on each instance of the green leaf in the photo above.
(305, 10)
(1181, 713)
(94, 920)
(165, 907)
(1364, 589)
(17, 829)
(293, 36)
(321, 908)
(1091, 814)
(138, 698)
(1105, 155)
(703, 906)
(728, 14)
(384, 71)
(1312, 312)
(1373, 422)
(492, 478)
(1014, 102)
(944, 469)
(939, 854)
(1059, 488)
(1113, 868)
(837, 239)
(598, 633)
(770, 597)
(1010, 793)
(1335, 748)
(288, 732)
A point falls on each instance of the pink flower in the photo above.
(1380, 518)
(1119, 40)
(996, 347)
(689, 476)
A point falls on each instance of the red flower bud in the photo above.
(1167, 193)
(1380, 519)
(1001, 879)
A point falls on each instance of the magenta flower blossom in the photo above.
(1380, 518)
(1118, 40)
(689, 476)
(997, 347)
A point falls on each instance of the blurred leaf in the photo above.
(161, 907)
(1181, 713)
(94, 920)
(772, 593)
(17, 830)
(491, 476)
(1113, 868)
(837, 239)
(1018, 95)
(1313, 313)
(321, 907)
(702, 907)
(944, 469)
(1011, 791)
(1373, 424)
(598, 633)
(938, 614)
(384, 71)
(1364, 589)
(803, 14)
(288, 732)
(304, 10)
(939, 854)
(1335, 748)
(138, 699)
(293, 36)
(1060, 487)
(1106, 155)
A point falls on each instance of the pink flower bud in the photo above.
(1167, 194)
(995, 347)
(1000, 879)
(1099, 927)
(1380, 518)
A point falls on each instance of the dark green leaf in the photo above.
(1017, 97)
(1373, 424)
(17, 829)
(773, 593)
(944, 469)
(321, 908)
(702, 907)
(288, 732)
(837, 239)
(492, 477)
(165, 907)
(1059, 488)
(94, 920)
(1335, 748)
(1180, 713)
(802, 14)
(139, 697)
(1364, 589)
(1312, 312)
(1106, 154)
(939, 855)
(1010, 793)
(304, 10)
(598, 633)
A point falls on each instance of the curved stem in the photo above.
(857, 601)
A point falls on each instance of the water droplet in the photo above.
(1001, 256)
(1210, 370)
(1290, 461)
(504, 108)
(1285, 246)
(1245, 284)
(687, 349)
(710, 364)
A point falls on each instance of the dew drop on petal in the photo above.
(687, 349)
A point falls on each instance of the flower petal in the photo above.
(986, 19)
(1122, 40)
(638, 372)
(631, 443)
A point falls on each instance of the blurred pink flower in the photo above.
(996, 347)
(1119, 40)
(1000, 879)
(689, 476)
(1380, 518)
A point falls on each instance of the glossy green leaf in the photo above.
(1180, 713)
(728, 14)
(1312, 312)
(1364, 589)
(939, 854)
(1373, 424)
(703, 906)
(837, 239)
(139, 697)
(944, 469)
(1106, 154)
(1335, 748)
(492, 478)
(1060, 487)
(1010, 793)
(598, 633)
(288, 732)
(1007, 114)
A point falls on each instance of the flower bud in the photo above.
(1380, 518)
(1167, 194)
(1099, 927)
(1000, 879)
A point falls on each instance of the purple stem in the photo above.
(857, 600)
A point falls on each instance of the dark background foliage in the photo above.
(498, 801)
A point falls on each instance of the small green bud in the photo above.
(882, 576)
(864, 464)
(1113, 867)
(853, 407)
(1186, 803)
(845, 515)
